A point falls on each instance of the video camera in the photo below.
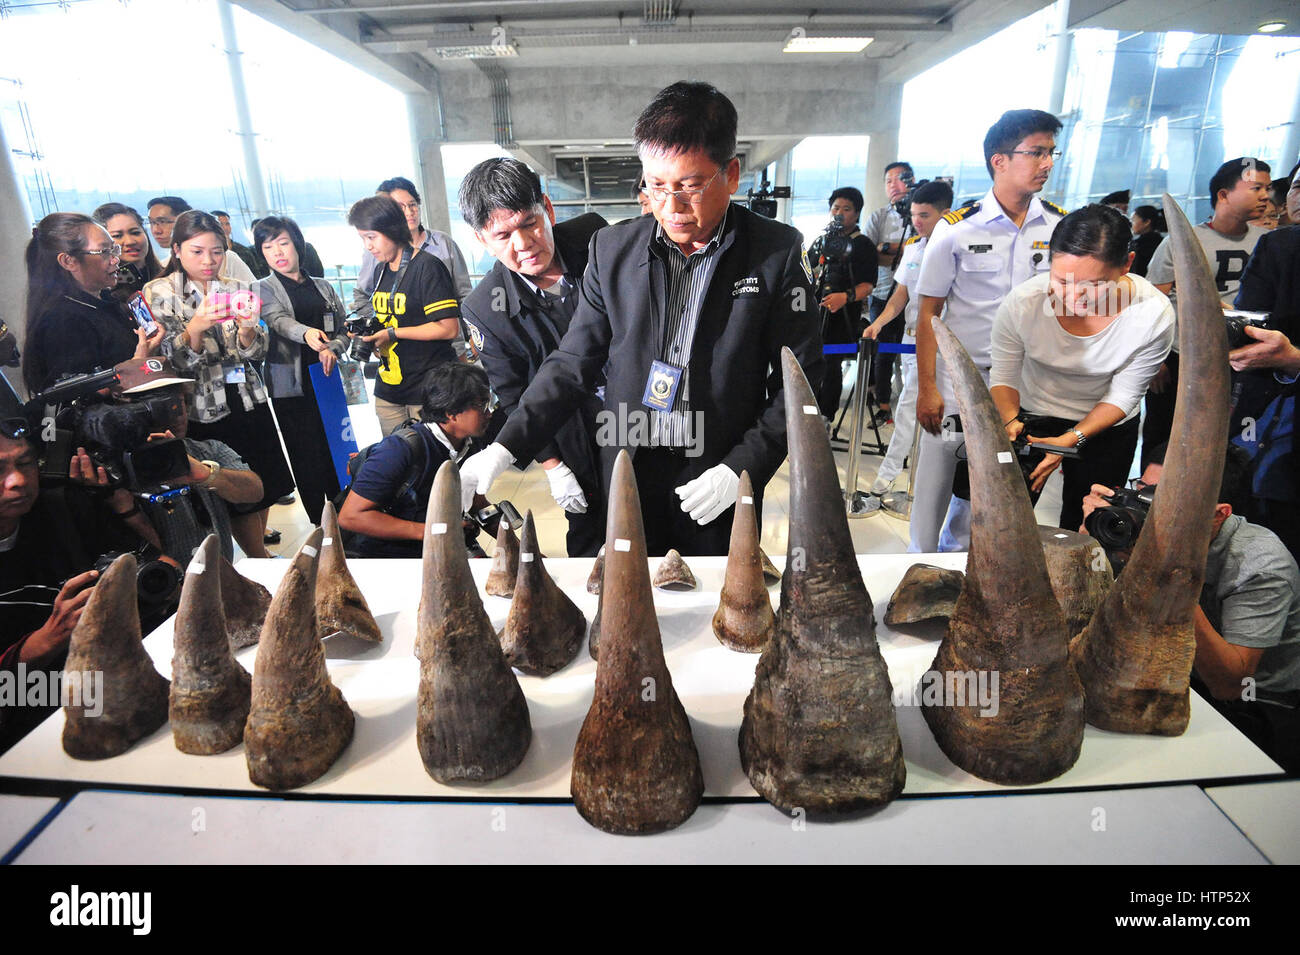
(764, 200)
(116, 436)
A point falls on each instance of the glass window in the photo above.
(818, 166)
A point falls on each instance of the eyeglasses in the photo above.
(15, 429)
(1038, 155)
(114, 251)
(692, 196)
(409, 206)
(171, 221)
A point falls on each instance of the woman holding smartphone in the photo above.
(305, 316)
(213, 331)
(138, 263)
(73, 325)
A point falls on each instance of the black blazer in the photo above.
(514, 333)
(735, 362)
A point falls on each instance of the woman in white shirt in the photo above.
(1073, 352)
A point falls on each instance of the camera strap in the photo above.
(407, 254)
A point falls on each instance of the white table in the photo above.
(1268, 813)
(380, 684)
(18, 816)
(1120, 827)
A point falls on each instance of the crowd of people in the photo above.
(660, 335)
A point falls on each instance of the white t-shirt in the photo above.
(1065, 375)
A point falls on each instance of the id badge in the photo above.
(235, 374)
(661, 386)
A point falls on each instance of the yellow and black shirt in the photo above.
(426, 294)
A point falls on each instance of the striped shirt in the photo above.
(688, 283)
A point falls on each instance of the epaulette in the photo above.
(915, 238)
(965, 212)
(1053, 207)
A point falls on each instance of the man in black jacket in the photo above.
(520, 311)
(686, 312)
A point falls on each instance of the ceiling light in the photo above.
(1273, 26)
(826, 44)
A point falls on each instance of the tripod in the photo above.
(865, 350)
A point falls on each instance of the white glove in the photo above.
(479, 471)
(566, 490)
(709, 494)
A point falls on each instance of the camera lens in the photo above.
(1115, 528)
(155, 581)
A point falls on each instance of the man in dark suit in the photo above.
(686, 311)
(520, 311)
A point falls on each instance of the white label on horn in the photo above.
(746, 499)
(309, 550)
(437, 529)
(622, 543)
(326, 541)
(811, 409)
(1060, 537)
(197, 567)
(1005, 457)
(526, 558)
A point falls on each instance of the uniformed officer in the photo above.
(686, 311)
(976, 255)
(518, 314)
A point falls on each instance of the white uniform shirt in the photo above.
(975, 261)
(909, 269)
(1065, 375)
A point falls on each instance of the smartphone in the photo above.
(140, 312)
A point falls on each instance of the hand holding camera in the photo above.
(1258, 348)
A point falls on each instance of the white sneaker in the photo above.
(880, 487)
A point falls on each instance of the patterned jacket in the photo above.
(174, 299)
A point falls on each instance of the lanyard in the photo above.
(407, 255)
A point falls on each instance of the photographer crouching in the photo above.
(386, 505)
(1247, 622)
(844, 270)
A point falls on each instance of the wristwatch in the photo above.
(1083, 438)
(214, 469)
(852, 293)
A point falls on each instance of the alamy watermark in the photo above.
(633, 427)
(53, 687)
(949, 688)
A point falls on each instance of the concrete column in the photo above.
(426, 145)
(15, 233)
(1061, 65)
(254, 181)
(783, 179)
(883, 147)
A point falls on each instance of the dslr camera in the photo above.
(1236, 323)
(357, 325)
(1116, 527)
(156, 580)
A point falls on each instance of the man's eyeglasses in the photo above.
(691, 196)
(1038, 155)
(15, 429)
(113, 251)
(171, 221)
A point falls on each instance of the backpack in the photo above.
(415, 473)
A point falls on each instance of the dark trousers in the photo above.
(586, 531)
(309, 450)
(1273, 726)
(1160, 412)
(832, 386)
(1105, 459)
(882, 370)
(658, 472)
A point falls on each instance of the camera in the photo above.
(156, 580)
(1236, 323)
(358, 326)
(1116, 526)
(116, 436)
(763, 201)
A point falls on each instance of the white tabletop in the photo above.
(17, 816)
(1268, 813)
(380, 684)
(1122, 827)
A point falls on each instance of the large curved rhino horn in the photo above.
(1135, 657)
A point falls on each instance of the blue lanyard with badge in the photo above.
(664, 379)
